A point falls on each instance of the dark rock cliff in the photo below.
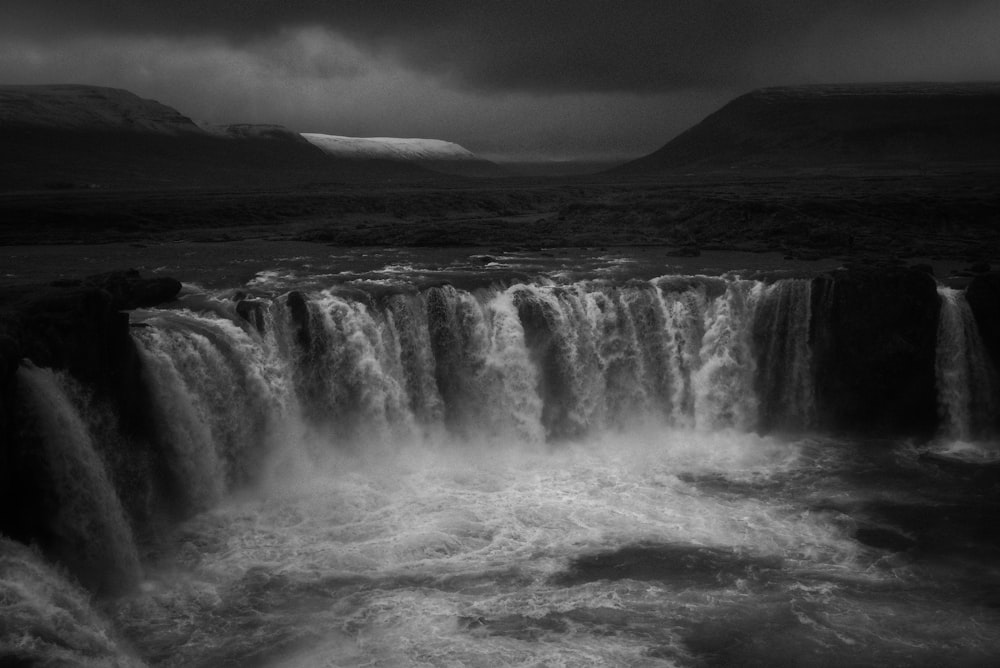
(983, 296)
(874, 335)
(78, 327)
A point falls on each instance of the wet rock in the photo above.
(77, 327)
(298, 307)
(252, 310)
(130, 290)
(874, 336)
(983, 296)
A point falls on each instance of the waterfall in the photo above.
(88, 527)
(334, 474)
(223, 394)
(965, 383)
(47, 620)
(784, 384)
(527, 363)
(345, 371)
(722, 381)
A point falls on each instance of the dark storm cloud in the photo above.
(533, 45)
(539, 79)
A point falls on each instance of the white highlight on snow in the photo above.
(389, 148)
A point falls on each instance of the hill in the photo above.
(819, 126)
(73, 136)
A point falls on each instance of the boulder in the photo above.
(252, 310)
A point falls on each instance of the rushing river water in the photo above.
(500, 461)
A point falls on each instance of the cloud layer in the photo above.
(594, 77)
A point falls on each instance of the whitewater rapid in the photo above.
(555, 472)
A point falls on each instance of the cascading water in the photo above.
(88, 527)
(222, 396)
(526, 363)
(47, 620)
(967, 388)
(785, 383)
(541, 473)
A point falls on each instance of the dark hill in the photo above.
(877, 125)
(68, 136)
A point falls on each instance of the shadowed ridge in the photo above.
(72, 136)
(884, 125)
(254, 131)
(88, 108)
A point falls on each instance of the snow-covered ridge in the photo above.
(89, 108)
(390, 148)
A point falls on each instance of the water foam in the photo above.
(967, 387)
(48, 620)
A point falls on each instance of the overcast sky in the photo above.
(509, 79)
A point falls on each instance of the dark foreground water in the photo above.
(565, 471)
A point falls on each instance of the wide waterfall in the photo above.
(555, 471)
(527, 363)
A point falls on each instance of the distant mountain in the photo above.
(71, 136)
(894, 124)
(88, 108)
(435, 154)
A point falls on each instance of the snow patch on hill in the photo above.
(390, 148)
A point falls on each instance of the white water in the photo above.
(967, 388)
(48, 620)
(526, 364)
(394, 560)
(89, 524)
(539, 474)
(421, 459)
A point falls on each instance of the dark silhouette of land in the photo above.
(893, 170)
(896, 126)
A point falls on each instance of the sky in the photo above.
(507, 79)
